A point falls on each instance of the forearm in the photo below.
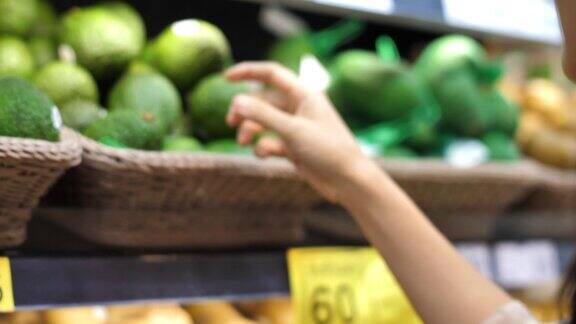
(430, 270)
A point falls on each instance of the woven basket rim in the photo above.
(99, 155)
(67, 149)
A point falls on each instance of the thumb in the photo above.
(263, 113)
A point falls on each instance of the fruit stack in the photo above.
(34, 152)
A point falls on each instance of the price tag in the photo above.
(6, 294)
(346, 286)
(521, 265)
(372, 6)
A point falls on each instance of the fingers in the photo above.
(245, 107)
(247, 131)
(270, 73)
(269, 146)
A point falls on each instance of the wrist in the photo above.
(360, 178)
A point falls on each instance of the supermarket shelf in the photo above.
(536, 22)
(44, 282)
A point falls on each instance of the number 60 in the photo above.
(343, 308)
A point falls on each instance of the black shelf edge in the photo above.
(45, 282)
(426, 15)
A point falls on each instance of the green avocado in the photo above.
(447, 53)
(181, 144)
(15, 58)
(131, 128)
(501, 147)
(366, 88)
(289, 51)
(209, 103)
(505, 115)
(64, 82)
(148, 92)
(128, 14)
(17, 16)
(399, 151)
(43, 50)
(104, 42)
(46, 22)
(187, 51)
(228, 146)
(26, 112)
(462, 102)
(79, 114)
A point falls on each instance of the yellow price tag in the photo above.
(6, 293)
(346, 286)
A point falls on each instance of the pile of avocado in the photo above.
(448, 97)
(94, 70)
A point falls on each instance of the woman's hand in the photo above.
(310, 131)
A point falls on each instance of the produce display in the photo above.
(273, 311)
(124, 90)
(548, 125)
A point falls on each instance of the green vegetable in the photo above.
(26, 112)
(147, 92)
(43, 50)
(372, 90)
(187, 51)
(501, 147)
(289, 51)
(504, 114)
(130, 128)
(104, 42)
(17, 16)
(64, 82)
(46, 22)
(128, 15)
(209, 103)
(228, 146)
(448, 53)
(79, 114)
(15, 58)
(181, 144)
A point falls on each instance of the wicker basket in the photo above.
(556, 191)
(203, 228)
(27, 170)
(121, 196)
(440, 188)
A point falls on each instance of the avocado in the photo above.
(104, 42)
(17, 16)
(228, 146)
(209, 103)
(26, 112)
(365, 86)
(447, 53)
(131, 128)
(181, 144)
(505, 115)
(15, 58)
(128, 14)
(43, 50)
(289, 51)
(187, 51)
(64, 82)
(46, 22)
(399, 152)
(501, 147)
(148, 92)
(462, 102)
(79, 114)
